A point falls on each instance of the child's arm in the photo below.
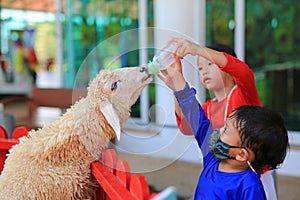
(194, 115)
(184, 47)
(189, 105)
(181, 122)
(243, 77)
(174, 79)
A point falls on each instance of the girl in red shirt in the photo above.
(231, 81)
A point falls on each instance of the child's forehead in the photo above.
(232, 119)
(232, 122)
(232, 127)
(202, 60)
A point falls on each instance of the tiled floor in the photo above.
(154, 161)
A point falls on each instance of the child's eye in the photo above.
(210, 63)
(225, 129)
(200, 68)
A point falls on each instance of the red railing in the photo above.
(114, 177)
(116, 180)
(6, 144)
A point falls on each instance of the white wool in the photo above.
(54, 161)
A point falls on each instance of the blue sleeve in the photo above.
(195, 116)
(256, 193)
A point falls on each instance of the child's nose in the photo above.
(204, 71)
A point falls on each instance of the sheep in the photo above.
(54, 161)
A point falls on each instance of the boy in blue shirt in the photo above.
(253, 140)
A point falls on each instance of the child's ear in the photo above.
(243, 155)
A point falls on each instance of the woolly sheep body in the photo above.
(54, 161)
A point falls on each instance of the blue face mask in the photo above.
(219, 148)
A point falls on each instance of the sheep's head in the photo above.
(115, 91)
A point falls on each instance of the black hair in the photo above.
(263, 131)
(223, 48)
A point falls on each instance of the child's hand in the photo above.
(172, 76)
(183, 47)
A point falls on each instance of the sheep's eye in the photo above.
(114, 86)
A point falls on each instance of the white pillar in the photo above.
(143, 58)
(177, 18)
(201, 38)
(239, 31)
(59, 42)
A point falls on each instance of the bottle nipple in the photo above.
(153, 69)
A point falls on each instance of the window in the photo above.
(272, 49)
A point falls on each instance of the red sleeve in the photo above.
(183, 125)
(243, 77)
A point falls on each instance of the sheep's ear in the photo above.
(112, 118)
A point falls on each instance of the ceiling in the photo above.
(33, 5)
